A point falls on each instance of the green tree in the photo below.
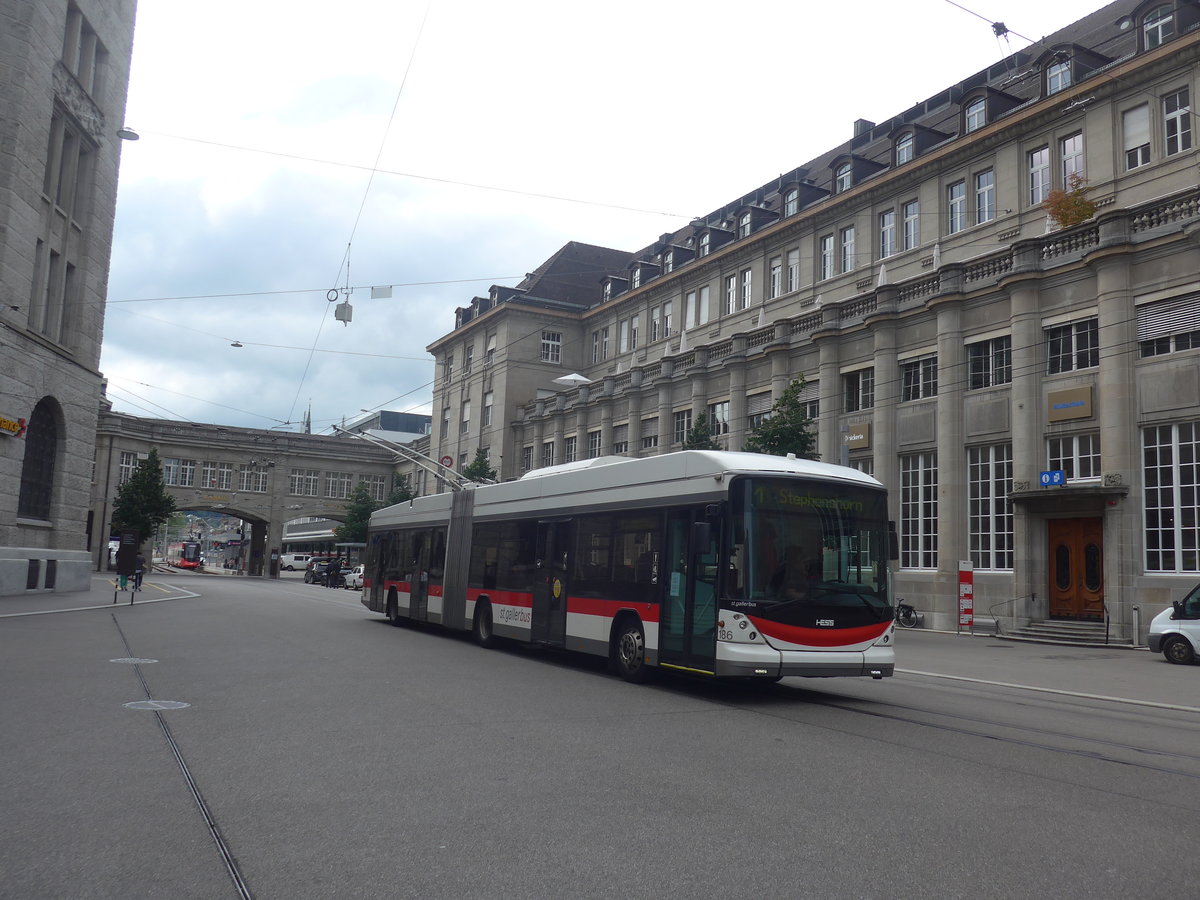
(142, 502)
(402, 491)
(786, 429)
(480, 470)
(700, 436)
(358, 515)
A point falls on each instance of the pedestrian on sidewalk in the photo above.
(139, 569)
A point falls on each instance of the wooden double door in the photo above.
(1076, 559)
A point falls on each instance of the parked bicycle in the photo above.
(905, 614)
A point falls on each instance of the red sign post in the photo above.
(966, 594)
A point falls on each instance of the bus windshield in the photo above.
(799, 546)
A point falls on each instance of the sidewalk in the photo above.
(156, 586)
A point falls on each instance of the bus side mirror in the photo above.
(701, 535)
(893, 542)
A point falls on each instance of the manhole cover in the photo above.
(157, 704)
(133, 660)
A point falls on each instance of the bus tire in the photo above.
(393, 609)
(481, 626)
(629, 651)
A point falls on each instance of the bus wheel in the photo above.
(481, 627)
(393, 609)
(630, 651)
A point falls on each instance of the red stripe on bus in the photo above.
(601, 606)
(820, 637)
(502, 598)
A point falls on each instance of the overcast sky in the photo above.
(498, 132)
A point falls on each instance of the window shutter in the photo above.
(1155, 320)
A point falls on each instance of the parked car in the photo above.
(1175, 632)
(354, 578)
(314, 572)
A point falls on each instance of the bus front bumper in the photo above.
(760, 661)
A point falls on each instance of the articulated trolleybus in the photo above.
(716, 563)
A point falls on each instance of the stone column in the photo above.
(951, 454)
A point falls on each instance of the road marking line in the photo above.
(1042, 690)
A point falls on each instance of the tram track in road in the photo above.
(223, 849)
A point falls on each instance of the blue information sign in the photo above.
(1053, 477)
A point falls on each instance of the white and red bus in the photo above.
(718, 563)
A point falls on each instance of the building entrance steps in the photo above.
(1063, 631)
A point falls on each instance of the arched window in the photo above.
(1158, 26)
(904, 148)
(975, 116)
(841, 178)
(744, 225)
(705, 244)
(37, 471)
(791, 202)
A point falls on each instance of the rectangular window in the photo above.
(547, 454)
(593, 444)
(912, 224)
(775, 284)
(489, 355)
(758, 409)
(1135, 126)
(304, 482)
(464, 425)
(918, 511)
(1172, 497)
(956, 207)
(859, 390)
(989, 363)
(603, 342)
(990, 531)
(468, 358)
(702, 312)
(1076, 455)
(1071, 149)
(1168, 326)
(847, 242)
(919, 378)
(689, 310)
(552, 347)
(825, 257)
(187, 473)
(620, 439)
(569, 449)
(170, 470)
(718, 417)
(649, 434)
(887, 233)
(681, 425)
(985, 196)
(731, 290)
(747, 288)
(488, 399)
(337, 485)
(634, 322)
(668, 321)
(526, 459)
(126, 467)
(448, 368)
(623, 336)
(655, 325)
(1039, 175)
(1177, 122)
(595, 346)
(793, 270)
(1073, 346)
(375, 485)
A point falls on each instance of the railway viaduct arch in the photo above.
(264, 477)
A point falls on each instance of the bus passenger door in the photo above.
(551, 558)
(418, 571)
(688, 624)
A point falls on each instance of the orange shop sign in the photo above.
(14, 427)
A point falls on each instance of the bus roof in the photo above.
(687, 475)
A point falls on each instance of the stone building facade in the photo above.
(64, 74)
(1028, 391)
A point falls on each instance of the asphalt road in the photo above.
(325, 753)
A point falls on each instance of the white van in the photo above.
(1175, 632)
(291, 561)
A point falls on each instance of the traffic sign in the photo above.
(1053, 477)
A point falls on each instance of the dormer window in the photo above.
(904, 148)
(607, 290)
(1058, 76)
(743, 229)
(841, 178)
(705, 244)
(1158, 26)
(669, 261)
(791, 202)
(635, 277)
(975, 116)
